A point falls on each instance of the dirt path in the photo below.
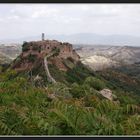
(50, 78)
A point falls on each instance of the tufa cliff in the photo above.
(38, 55)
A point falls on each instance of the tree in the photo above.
(25, 46)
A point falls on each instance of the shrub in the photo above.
(31, 57)
(60, 89)
(95, 83)
(25, 47)
(56, 51)
(8, 75)
(77, 91)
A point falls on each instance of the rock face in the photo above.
(107, 93)
(4, 59)
(8, 52)
(99, 62)
(34, 52)
(41, 48)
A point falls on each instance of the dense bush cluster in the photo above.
(25, 47)
(95, 83)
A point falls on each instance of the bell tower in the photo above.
(43, 36)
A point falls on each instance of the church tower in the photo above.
(43, 36)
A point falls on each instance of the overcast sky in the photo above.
(21, 20)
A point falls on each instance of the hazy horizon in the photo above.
(82, 38)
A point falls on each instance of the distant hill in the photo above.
(4, 59)
(8, 52)
(85, 38)
(12, 50)
(99, 57)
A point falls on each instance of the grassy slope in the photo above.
(77, 110)
(121, 79)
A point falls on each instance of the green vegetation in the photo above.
(76, 109)
(117, 79)
(30, 105)
(25, 46)
(55, 51)
(31, 58)
(78, 74)
(95, 83)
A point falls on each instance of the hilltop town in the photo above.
(36, 50)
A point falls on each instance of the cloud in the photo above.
(17, 20)
(44, 13)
